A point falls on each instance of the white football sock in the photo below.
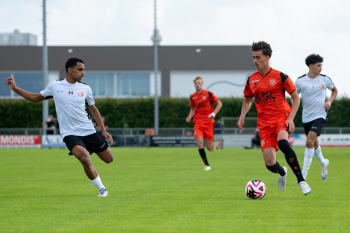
(98, 183)
(319, 156)
(309, 153)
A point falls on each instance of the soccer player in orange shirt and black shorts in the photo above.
(202, 109)
(275, 116)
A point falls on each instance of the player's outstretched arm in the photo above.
(247, 103)
(188, 119)
(328, 104)
(216, 110)
(25, 94)
(295, 107)
(97, 116)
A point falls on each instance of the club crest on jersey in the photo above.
(321, 86)
(81, 94)
(204, 97)
(272, 82)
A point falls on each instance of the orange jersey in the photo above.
(269, 93)
(203, 104)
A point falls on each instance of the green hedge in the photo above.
(140, 112)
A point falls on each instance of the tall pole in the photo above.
(45, 67)
(155, 42)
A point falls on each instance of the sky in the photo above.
(294, 29)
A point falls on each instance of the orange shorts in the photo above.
(269, 133)
(206, 131)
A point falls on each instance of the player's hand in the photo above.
(290, 124)
(327, 105)
(240, 123)
(188, 119)
(108, 137)
(11, 82)
(212, 115)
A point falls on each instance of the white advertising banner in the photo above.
(295, 140)
(53, 141)
(20, 141)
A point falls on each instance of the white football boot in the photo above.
(282, 181)
(324, 172)
(305, 188)
(207, 168)
(103, 192)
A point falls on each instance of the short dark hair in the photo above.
(313, 59)
(262, 46)
(71, 62)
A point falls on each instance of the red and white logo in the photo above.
(321, 86)
(81, 94)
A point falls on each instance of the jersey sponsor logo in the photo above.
(195, 97)
(59, 91)
(70, 92)
(254, 81)
(272, 82)
(81, 94)
(266, 97)
(321, 86)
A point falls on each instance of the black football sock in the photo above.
(204, 156)
(276, 169)
(291, 158)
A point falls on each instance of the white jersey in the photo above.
(313, 94)
(70, 100)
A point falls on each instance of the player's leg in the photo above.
(106, 155)
(83, 156)
(309, 152)
(268, 147)
(324, 162)
(200, 144)
(209, 137)
(291, 158)
(273, 166)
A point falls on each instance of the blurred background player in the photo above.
(77, 130)
(312, 87)
(201, 103)
(255, 140)
(275, 116)
(50, 125)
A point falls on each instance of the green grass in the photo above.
(166, 190)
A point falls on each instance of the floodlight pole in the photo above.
(45, 68)
(155, 43)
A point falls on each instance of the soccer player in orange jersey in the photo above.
(202, 109)
(275, 116)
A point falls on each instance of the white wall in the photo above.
(181, 82)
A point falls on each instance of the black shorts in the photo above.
(315, 126)
(93, 142)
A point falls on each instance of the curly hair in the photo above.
(313, 59)
(262, 46)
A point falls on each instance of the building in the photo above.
(128, 71)
(18, 39)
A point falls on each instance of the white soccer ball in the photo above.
(255, 189)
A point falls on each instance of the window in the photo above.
(133, 84)
(4, 89)
(101, 84)
(32, 82)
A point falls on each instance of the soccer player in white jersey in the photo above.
(77, 130)
(312, 87)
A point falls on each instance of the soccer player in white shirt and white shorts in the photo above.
(76, 129)
(312, 87)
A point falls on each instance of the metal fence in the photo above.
(168, 131)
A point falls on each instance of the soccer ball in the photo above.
(255, 189)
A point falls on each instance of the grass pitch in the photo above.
(166, 190)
